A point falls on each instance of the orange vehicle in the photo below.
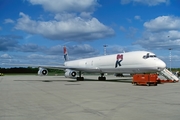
(145, 79)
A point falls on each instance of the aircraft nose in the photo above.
(160, 65)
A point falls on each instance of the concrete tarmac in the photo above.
(58, 98)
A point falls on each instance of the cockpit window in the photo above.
(149, 56)
(152, 56)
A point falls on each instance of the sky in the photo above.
(35, 31)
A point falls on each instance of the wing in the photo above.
(76, 68)
(59, 67)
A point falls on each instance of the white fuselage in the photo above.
(130, 62)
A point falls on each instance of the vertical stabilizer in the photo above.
(65, 53)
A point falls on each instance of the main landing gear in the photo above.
(80, 78)
(102, 77)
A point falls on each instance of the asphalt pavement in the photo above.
(58, 98)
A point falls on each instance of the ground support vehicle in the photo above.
(145, 79)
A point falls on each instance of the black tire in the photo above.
(148, 84)
(101, 78)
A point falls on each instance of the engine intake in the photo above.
(70, 73)
(42, 71)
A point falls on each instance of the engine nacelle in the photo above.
(42, 71)
(70, 73)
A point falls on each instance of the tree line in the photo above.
(26, 70)
(35, 70)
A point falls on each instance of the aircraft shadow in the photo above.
(85, 80)
(111, 80)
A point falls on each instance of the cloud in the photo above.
(72, 21)
(122, 29)
(40, 59)
(161, 33)
(28, 36)
(35, 59)
(30, 47)
(145, 2)
(64, 16)
(5, 56)
(42, 52)
(11, 43)
(8, 21)
(137, 17)
(74, 29)
(86, 14)
(39, 56)
(113, 49)
(55, 50)
(130, 32)
(0, 28)
(163, 23)
(175, 58)
(129, 20)
(74, 52)
(160, 40)
(81, 51)
(8, 42)
(57, 6)
(125, 1)
(50, 55)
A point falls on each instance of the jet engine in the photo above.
(42, 71)
(70, 73)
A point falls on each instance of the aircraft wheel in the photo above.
(148, 84)
(101, 78)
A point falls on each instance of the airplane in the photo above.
(128, 62)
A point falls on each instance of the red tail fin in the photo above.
(65, 53)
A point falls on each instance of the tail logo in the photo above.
(65, 53)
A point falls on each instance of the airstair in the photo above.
(167, 75)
